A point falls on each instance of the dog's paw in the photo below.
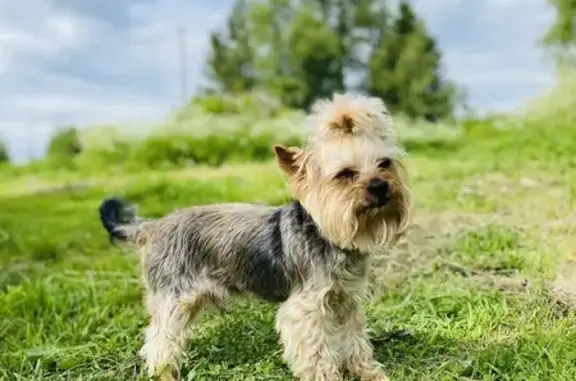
(377, 377)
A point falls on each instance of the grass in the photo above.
(472, 294)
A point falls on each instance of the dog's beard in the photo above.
(335, 219)
(365, 229)
(365, 225)
(380, 224)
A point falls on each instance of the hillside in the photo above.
(482, 289)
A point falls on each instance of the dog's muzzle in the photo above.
(379, 192)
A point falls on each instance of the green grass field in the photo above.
(482, 289)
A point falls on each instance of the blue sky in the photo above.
(98, 61)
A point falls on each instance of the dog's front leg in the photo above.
(310, 339)
(358, 350)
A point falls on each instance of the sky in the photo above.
(88, 62)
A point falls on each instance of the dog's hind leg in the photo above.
(166, 335)
(171, 315)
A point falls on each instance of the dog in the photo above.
(311, 255)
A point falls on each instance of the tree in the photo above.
(561, 37)
(314, 59)
(231, 59)
(301, 52)
(405, 70)
(298, 53)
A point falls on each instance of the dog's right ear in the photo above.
(290, 159)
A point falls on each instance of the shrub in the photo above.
(212, 130)
(65, 144)
(4, 155)
(258, 104)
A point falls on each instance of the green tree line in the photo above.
(303, 50)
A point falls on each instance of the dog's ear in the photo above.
(290, 159)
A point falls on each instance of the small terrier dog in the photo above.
(311, 255)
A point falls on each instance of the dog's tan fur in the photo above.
(312, 256)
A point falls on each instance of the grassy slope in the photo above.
(491, 213)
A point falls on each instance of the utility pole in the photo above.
(183, 59)
(28, 137)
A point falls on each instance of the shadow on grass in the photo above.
(247, 348)
(234, 348)
(430, 356)
(238, 345)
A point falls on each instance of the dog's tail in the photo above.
(120, 220)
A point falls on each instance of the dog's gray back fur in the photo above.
(245, 248)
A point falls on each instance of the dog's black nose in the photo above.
(378, 188)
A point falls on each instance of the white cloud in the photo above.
(52, 34)
(59, 64)
(490, 47)
(512, 77)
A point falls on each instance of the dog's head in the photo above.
(350, 177)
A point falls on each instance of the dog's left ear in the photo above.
(290, 159)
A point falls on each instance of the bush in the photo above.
(64, 145)
(4, 155)
(259, 104)
(211, 130)
(213, 148)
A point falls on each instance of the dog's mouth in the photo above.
(375, 204)
(380, 202)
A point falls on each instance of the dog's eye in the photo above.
(385, 163)
(346, 174)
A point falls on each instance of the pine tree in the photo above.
(405, 70)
